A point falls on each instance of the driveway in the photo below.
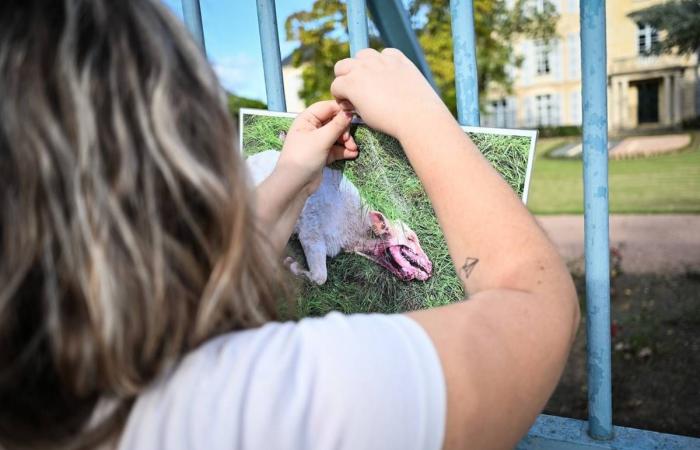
(659, 244)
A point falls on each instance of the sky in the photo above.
(233, 42)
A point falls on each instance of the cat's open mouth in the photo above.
(403, 262)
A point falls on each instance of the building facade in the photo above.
(293, 82)
(644, 90)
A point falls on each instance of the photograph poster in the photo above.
(368, 239)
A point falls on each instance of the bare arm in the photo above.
(279, 200)
(502, 351)
(318, 136)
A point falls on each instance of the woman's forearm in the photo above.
(493, 240)
(279, 202)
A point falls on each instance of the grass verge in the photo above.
(657, 184)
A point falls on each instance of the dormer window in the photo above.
(647, 38)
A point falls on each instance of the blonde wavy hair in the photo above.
(127, 230)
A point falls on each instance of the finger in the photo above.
(350, 143)
(366, 53)
(338, 153)
(344, 66)
(334, 129)
(340, 88)
(345, 105)
(320, 112)
(389, 51)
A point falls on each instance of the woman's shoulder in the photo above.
(345, 375)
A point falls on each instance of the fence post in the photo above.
(464, 48)
(595, 183)
(357, 26)
(193, 20)
(272, 60)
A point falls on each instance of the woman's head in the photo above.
(126, 230)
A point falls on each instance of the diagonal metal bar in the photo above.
(193, 20)
(394, 25)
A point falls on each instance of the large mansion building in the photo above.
(644, 90)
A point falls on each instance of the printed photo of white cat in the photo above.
(367, 240)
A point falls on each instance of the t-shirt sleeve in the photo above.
(337, 382)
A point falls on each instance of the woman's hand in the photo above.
(319, 136)
(387, 91)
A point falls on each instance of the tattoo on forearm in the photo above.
(468, 266)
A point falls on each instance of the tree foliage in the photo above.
(322, 33)
(680, 23)
(235, 103)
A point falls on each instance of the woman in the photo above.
(140, 272)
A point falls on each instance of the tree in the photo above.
(322, 35)
(680, 23)
(235, 103)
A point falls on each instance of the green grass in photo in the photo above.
(388, 184)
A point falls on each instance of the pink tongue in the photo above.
(398, 257)
(408, 272)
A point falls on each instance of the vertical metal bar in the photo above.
(464, 46)
(193, 20)
(357, 26)
(272, 60)
(595, 183)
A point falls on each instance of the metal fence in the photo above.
(549, 432)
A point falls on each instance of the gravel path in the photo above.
(659, 244)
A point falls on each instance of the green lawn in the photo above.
(658, 184)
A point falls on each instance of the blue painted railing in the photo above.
(193, 19)
(272, 60)
(595, 209)
(464, 49)
(548, 432)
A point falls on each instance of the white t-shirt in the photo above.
(339, 382)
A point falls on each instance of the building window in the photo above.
(499, 114)
(542, 58)
(544, 110)
(573, 45)
(575, 105)
(647, 38)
